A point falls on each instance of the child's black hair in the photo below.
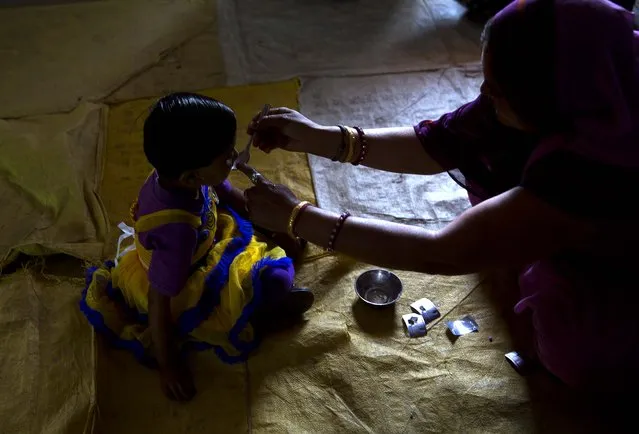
(186, 131)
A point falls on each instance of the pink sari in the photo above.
(584, 304)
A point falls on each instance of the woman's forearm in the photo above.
(512, 229)
(379, 243)
(390, 149)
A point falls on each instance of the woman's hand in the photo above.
(287, 129)
(391, 149)
(270, 205)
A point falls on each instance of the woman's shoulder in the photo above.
(473, 126)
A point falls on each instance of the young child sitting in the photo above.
(198, 277)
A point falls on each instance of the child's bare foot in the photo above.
(177, 382)
(288, 313)
(297, 302)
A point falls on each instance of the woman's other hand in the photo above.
(287, 129)
(270, 206)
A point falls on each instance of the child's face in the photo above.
(219, 169)
(214, 174)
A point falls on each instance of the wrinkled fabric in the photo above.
(50, 170)
(387, 101)
(275, 40)
(47, 362)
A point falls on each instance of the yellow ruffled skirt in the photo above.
(214, 309)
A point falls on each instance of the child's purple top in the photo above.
(173, 244)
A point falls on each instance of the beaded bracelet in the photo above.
(294, 216)
(336, 230)
(363, 147)
(342, 145)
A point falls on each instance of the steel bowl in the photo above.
(378, 288)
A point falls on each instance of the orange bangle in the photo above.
(294, 215)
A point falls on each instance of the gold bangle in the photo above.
(352, 139)
(294, 215)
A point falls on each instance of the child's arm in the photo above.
(173, 246)
(233, 197)
(176, 382)
(160, 322)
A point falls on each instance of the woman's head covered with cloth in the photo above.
(567, 69)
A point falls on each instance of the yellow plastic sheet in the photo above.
(352, 369)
